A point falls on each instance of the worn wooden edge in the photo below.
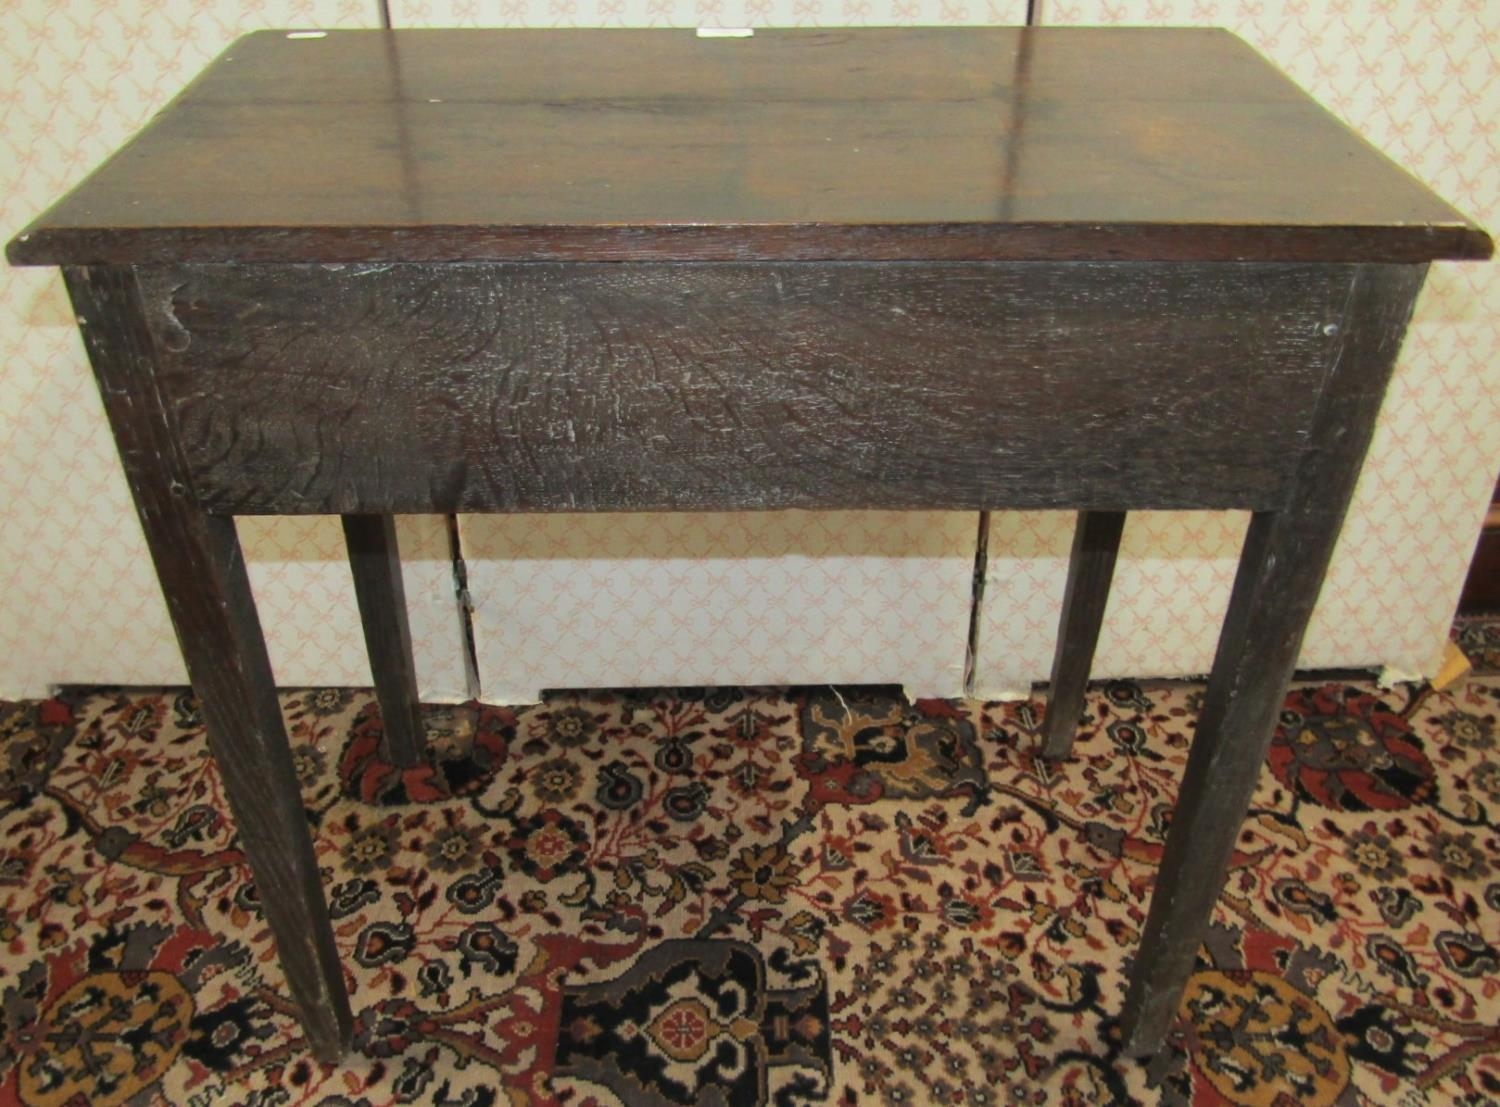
(221, 504)
(40, 244)
(1456, 666)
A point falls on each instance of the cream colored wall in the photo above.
(567, 601)
(609, 600)
(78, 598)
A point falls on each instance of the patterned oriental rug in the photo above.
(746, 897)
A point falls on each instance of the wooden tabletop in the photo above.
(875, 143)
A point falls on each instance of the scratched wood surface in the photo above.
(588, 387)
(958, 143)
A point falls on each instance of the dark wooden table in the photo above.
(443, 271)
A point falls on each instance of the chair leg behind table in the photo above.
(1281, 571)
(202, 573)
(375, 560)
(1091, 568)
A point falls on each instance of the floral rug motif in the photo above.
(754, 897)
(1479, 637)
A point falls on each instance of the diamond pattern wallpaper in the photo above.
(862, 597)
(78, 599)
(1421, 80)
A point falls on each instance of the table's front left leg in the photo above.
(202, 573)
(1285, 557)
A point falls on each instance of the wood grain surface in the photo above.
(584, 387)
(878, 143)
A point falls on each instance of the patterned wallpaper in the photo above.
(78, 598)
(569, 600)
(1421, 80)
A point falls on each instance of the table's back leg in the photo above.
(1091, 567)
(376, 562)
(202, 573)
(1281, 572)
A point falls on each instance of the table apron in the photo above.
(572, 386)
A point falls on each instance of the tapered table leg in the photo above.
(1091, 567)
(202, 573)
(376, 562)
(1281, 571)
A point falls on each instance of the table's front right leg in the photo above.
(1285, 556)
(1281, 569)
(202, 573)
